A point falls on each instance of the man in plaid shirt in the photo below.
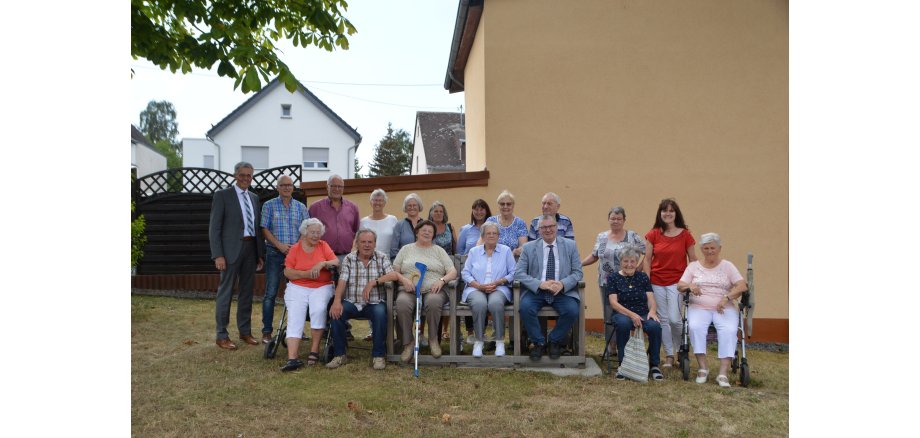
(360, 293)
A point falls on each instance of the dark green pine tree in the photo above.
(393, 155)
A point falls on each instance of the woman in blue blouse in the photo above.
(488, 272)
(629, 292)
(469, 233)
(512, 230)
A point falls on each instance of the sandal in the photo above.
(702, 375)
(722, 380)
(313, 358)
(656, 374)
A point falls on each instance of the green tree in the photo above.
(237, 35)
(358, 168)
(173, 159)
(158, 123)
(393, 155)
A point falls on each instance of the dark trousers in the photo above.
(244, 269)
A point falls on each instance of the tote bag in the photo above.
(635, 360)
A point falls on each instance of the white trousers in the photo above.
(669, 303)
(726, 327)
(298, 300)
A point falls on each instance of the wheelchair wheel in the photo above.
(745, 374)
(270, 349)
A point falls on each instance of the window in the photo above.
(285, 111)
(256, 155)
(208, 162)
(315, 158)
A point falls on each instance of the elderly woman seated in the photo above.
(307, 266)
(630, 295)
(713, 284)
(488, 271)
(440, 271)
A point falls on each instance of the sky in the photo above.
(402, 44)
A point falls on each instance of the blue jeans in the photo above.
(377, 313)
(274, 269)
(566, 306)
(651, 327)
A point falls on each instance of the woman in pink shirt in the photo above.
(714, 284)
(669, 248)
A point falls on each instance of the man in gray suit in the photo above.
(549, 271)
(237, 252)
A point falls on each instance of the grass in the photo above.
(183, 385)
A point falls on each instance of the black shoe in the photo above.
(536, 352)
(620, 376)
(555, 350)
(292, 364)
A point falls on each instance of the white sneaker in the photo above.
(499, 348)
(477, 349)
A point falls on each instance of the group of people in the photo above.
(640, 277)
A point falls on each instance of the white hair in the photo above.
(381, 193)
(711, 237)
(307, 223)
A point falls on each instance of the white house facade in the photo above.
(278, 128)
(144, 157)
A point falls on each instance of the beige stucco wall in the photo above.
(625, 103)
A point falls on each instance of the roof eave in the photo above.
(468, 14)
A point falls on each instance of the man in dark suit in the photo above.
(549, 271)
(237, 252)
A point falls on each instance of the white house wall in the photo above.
(308, 126)
(194, 150)
(418, 154)
(146, 159)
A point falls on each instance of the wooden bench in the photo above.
(513, 358)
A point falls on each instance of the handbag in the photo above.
(635, 359)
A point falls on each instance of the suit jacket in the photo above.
(529, 269)
(226, 225)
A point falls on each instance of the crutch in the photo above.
(422, 268)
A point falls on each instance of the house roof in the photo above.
(275, 83)
(468, 14)
(441, 134)
(138, 136)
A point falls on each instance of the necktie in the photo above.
(248, 215)
(550, 273)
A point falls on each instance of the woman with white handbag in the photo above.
(630, 294)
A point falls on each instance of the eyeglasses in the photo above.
(286, 186)
(548, 227)
(506, 204)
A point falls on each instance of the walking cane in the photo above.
(422, 268)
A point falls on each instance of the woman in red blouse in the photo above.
(669, 249)
(307, 266)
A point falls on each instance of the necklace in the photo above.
(628, 279)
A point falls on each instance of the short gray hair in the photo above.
(307, 223)
(482, 228)
(332, 177)
(362, 231)
(547, 217)
(504, 194)
(618, 210)
(379, 192)
(240, 165)
(710, 237)
(278, 181)
(630, 252)
(417, 199)
(554, 196)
